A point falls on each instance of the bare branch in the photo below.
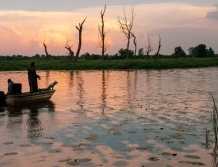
(126, 28)
(148, 48)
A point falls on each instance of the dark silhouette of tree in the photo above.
(126, 27)
(46, 53)
(71, 53)
(80, 28)
(201, 51)
(210, 52)
(135, 44)
(179, 52)
(148, 48)
(159, 46)
(101, 35)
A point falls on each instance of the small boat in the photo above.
(27, 98)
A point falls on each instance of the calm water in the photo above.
(111, 118)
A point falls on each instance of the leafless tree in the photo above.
(80, 28)
(126, 27)
(71, 53)
(148, 48)
(101, 35)
(135, 44)
(47, 55)
(159, 46)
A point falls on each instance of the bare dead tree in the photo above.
(126, 27)
(148, 48)
(80, 28)
(101, 35)
(47, 55)
(159, 46)
(71, 53)
(135, 44)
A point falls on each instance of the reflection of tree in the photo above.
(47, 77)
(71, 78)
(80, 83)
(35, 129)
(103, 96)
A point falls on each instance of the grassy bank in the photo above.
(163, 63)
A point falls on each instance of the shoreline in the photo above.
(131, 64)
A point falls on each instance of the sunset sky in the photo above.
(25, 24)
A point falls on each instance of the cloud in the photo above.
(23, 32)
(212, 15)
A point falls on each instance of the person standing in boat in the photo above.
(10, 87)
(32, 78)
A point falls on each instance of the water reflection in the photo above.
(34, 125)
(35, 129)
(80, 88)
(103, 96)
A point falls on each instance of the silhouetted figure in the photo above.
(10, 87)
(32, 77)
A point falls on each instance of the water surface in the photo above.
(111, 118)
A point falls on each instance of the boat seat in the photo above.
(17, 87)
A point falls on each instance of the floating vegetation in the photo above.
(66, 145)
(65, 160)
(192, 156)
(8, 143)
(92, 137)
(176, 149)
(153, 159)
(11, 153)
(143, 138)
(120, 157)
(191, 163)
(132, 132)
(25, 145)
(54, 151)
(47, 143)
(84, 160)
(144, 148)
(49, 137)
(166, 153)
(73, 162)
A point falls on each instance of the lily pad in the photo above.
(192, 156)
(25, 145)
(11, 153)
(73, 163)
(8, 143)
(153, 159)
(64, 160)
(192, 163)
(85, 160)
(176, 149)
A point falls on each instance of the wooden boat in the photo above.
(26, 98)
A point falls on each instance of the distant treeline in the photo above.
(199, 51)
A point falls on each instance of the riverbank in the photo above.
(163, 63)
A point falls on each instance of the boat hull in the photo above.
(27, 98)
